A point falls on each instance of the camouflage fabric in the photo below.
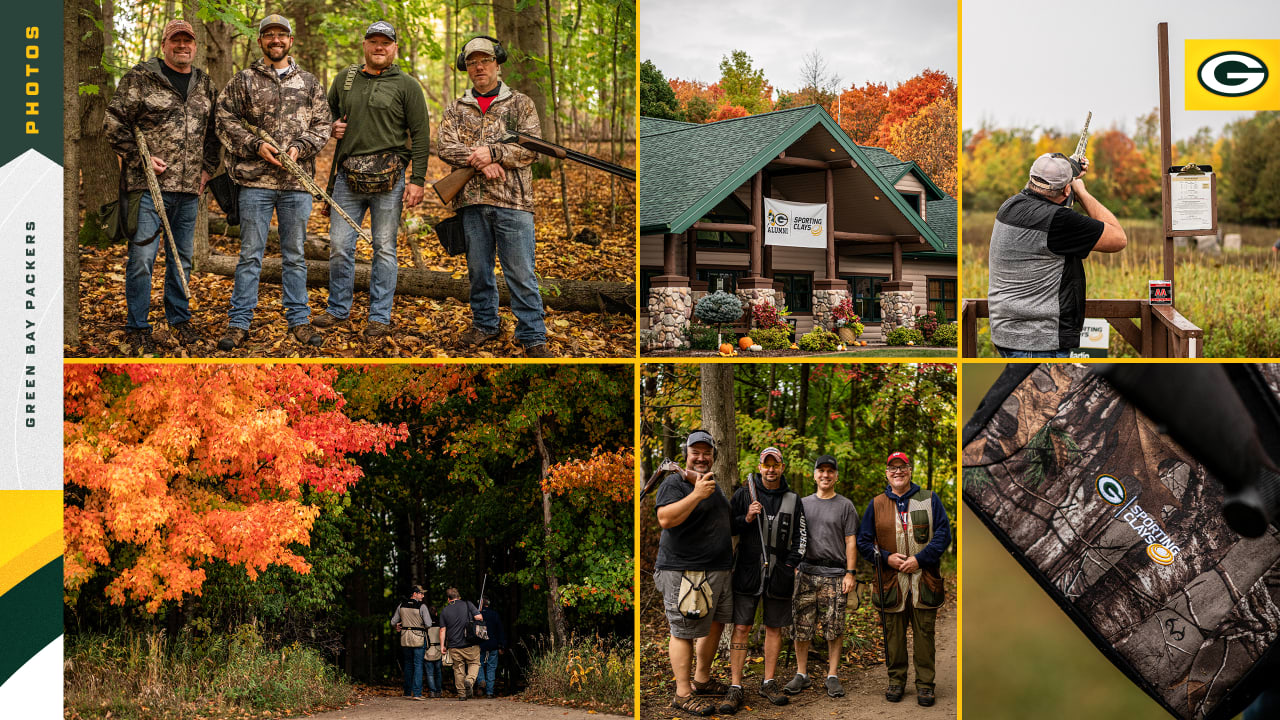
(179, 132)
(371, 173)
(1125, 529)
(465, 127)
(291, 108)
(818, 601)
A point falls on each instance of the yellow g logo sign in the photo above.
(1159, 554)
(1232, 74)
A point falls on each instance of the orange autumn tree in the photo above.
(929, 138)
(168, 468)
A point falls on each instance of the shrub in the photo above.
(900, 336)
(945, 335)
(588, 672)
(819, 340)
(777, 338)
(702, 337)
(718, 308)
(767, 316)
(927, 324)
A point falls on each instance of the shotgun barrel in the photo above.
(452, 184)
(157, 199)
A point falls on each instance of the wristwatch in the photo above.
(850, 572)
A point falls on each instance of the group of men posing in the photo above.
(429, 640)
(379, 116)
(796, 557)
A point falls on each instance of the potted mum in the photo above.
(848, 324)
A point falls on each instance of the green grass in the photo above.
(1228, 297)
(900, 352)
(586, 671)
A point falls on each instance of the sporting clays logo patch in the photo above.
(1232, 74)
(1111, 490)
(1160, 547)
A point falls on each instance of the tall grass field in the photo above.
(1234, 297)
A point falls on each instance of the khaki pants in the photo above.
(466, 666)
(922, 625)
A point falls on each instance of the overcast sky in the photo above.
(1106, 50)
(861, 41)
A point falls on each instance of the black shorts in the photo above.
(777, 613)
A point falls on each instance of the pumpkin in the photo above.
(745, 342)
(756, 348)
(726, 348)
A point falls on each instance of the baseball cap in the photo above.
(273, 19)
(770, 451)
(1051, 172)
(479, 45)
(382, 27)
(700, 436)
(898, 456)
(173, 27)
(826, 460)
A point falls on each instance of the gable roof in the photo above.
(686, 169)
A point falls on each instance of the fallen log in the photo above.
(314, 247)
(579, 295)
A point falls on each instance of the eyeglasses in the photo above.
(899, 470)
(275, 35)
(481, 62)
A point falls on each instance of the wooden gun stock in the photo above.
(449, 187)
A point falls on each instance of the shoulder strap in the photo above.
(346, 88)
(788, 508)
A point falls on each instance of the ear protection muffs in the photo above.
(500, 53)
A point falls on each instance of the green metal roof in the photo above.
(942, 218)
(686, 168)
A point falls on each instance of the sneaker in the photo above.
(711, 687)
(141, 343)
(732, 701)
(375, 329)
(325, 320)
(233, 338)
(305, 334)
(186, 334)
(894, 693)
(772, 692)
(798, 683)
(416, 697)
(924, 696)
(834, 689)
(539, 351)
(475, 336)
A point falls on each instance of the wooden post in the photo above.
(831, 228)
(757, 219)
(897, 261)
(1166, 148)
(691, 255)
(669, 254)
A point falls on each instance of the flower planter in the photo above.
(847, 335)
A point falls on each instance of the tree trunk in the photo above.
(521, 32)
(555, 613)
(826, 417)
(581, 295)
(555, 118)
(99, 168)
(719, 419)
(70, 183)
(803, 417)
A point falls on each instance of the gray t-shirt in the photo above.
(828, 523)
(454, 618)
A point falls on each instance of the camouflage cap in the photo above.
(479, 45)
(272, 20)
(173, 27)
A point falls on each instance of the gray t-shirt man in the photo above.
(828, 523)
(454, 618)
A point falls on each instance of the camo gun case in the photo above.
(1124, 530)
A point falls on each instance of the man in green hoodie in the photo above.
(380, 121)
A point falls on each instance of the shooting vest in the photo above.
(433, 644)
(414, 625)
(925, 589)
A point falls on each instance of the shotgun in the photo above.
(158, 201)
(1076, 157)
(452, 184)
(764, 550)
(884, 633)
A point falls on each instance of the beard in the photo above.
(276, 53)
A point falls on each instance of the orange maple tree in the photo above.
(860, 110)
(170, 467)
(610, 473)
(913, 95)
(929, 138)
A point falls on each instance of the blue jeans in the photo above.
(509, 234)
(1017, 354)
(181, 208)
(413, 670)
(435, 679)
(292, 208)
(384, 216)
(488, 669)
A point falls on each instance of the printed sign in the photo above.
(1160, 292)
(795, 224)
(1232, 74)
(1095, 339)
(1191, 199)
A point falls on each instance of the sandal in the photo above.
(711, 687)
(693, 705)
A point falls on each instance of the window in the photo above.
(798, 289)
(726, 280)
(913, 199)
(730, 210)
(646, 275)
(866, 295)
(942, 297)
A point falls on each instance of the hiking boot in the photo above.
(732, 701)
(834, 689)
(326, 321)
(186, 334)
(798, 683)
(470, 689)
(233, 338)
(307, 335)
(924, 696)
(141, 343)
(711, 687)
(894, 693)
(475, 336)
(693, 704)
(375, 329)
(772, 692)
(539, 351)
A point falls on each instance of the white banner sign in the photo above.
(795, 224)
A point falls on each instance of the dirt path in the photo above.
(400, 708)
(864, 691)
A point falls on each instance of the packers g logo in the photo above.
(1232, 74)
(1111, 490)
(1160, 554)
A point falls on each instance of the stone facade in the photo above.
(823, 302)
(669, 312)
(757, 296)
(896, 310)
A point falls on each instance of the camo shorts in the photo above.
(818, 600)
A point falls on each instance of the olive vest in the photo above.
(925, 589)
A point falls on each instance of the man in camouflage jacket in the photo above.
(171, 102)
(496, 205)
(289, 104)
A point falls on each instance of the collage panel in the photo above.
(793, 517)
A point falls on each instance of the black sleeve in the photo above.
(738, 510)
(670, 491)
(1073, 234)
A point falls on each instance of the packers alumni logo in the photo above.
(1110, 489)
(778, 219)
(1231, 74)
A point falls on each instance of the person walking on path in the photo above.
(411, 620)
(464, 655)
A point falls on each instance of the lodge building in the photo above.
(890, 244)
